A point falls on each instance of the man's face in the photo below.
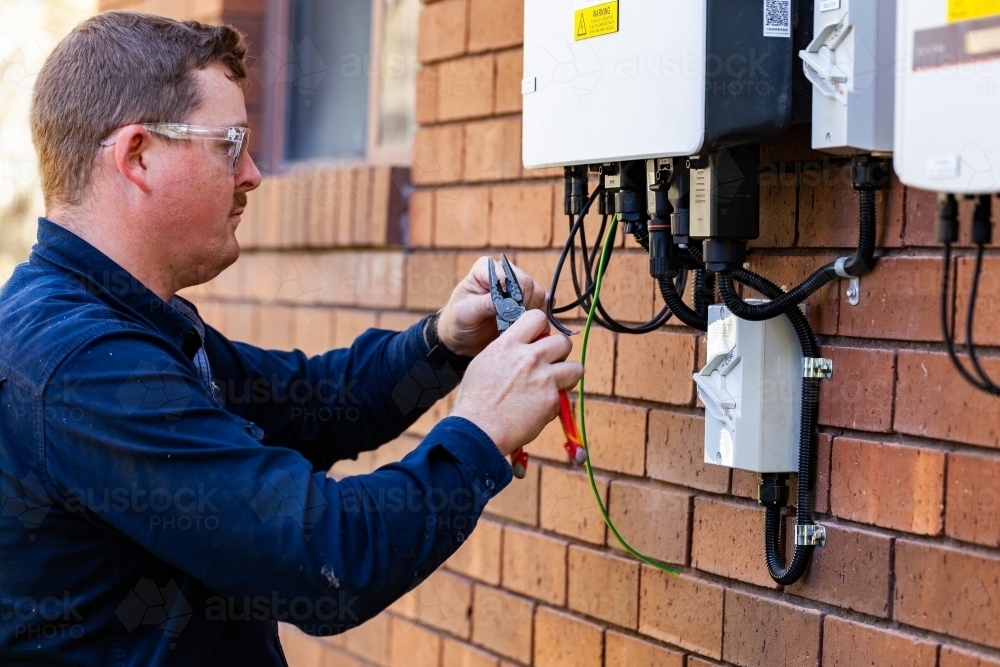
(202, 195)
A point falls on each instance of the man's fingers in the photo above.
(482, 306)
(480, 272)
(528, 327)
(533, 292)
(553, 348)
(534, 296)
(567, 373)
(524, 280)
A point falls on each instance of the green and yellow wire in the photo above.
(605, 251)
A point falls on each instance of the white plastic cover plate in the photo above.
(632, 94)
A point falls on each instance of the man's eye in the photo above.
(220, 146)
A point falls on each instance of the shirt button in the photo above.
(459, 536)
(489, 484)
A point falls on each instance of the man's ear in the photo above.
(131, 155)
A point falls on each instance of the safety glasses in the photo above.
(229, 141)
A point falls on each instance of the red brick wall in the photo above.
(909, 474)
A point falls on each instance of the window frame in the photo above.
(272, 146)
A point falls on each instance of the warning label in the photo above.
(596, 21)
(963, 10)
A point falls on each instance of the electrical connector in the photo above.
(982, 220)
(773, 490)
(947, 218)
(575, 190)
(869, 174)
(662, 251)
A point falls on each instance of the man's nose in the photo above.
(248, 176)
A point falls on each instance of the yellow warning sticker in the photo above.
(963, 10)
(596, 21)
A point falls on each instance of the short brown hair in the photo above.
(115, 69)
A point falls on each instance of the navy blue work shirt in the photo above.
(156, 515)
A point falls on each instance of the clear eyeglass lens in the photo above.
(222, 147)
(233, 145)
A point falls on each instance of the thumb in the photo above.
(529, 326)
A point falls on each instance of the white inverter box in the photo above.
(635, 79)
(947, 136)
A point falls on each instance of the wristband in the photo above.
(438, 352)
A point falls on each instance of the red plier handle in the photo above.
(508, 302)
(573, 445)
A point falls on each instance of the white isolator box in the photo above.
(850, 63)
(947, 136)
(752, 391)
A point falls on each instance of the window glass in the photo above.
(398, 65)
(327, 110)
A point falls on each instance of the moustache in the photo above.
(239, 201)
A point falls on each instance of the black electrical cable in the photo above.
(583, 298)
(948, 234)
(581, 229)
(569, 178)
(678, 286)
(641, 236)
(704, 291)
(585, 294)
(698, 293)
(676, 304)
(672, 297)
(593, 258)
(658, 321)
(551, 302)
(708, 290)
(970, 315)
(982, 233)
(946, 327)
(570, 247)
(608, 322)
(605, 319)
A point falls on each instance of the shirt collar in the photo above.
(99, 274)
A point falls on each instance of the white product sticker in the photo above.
(777, 18)
(944, 166)
(829, 5)
(529, 85)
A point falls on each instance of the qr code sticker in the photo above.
(777, 18)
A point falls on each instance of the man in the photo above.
(165, 500)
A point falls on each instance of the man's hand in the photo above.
(469, 322)
(511, 390)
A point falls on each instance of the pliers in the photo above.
(509, 303)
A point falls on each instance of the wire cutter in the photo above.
(509, 304)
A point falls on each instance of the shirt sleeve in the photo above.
(129, 413)
(334, 405)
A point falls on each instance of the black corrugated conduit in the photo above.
(868, 176)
